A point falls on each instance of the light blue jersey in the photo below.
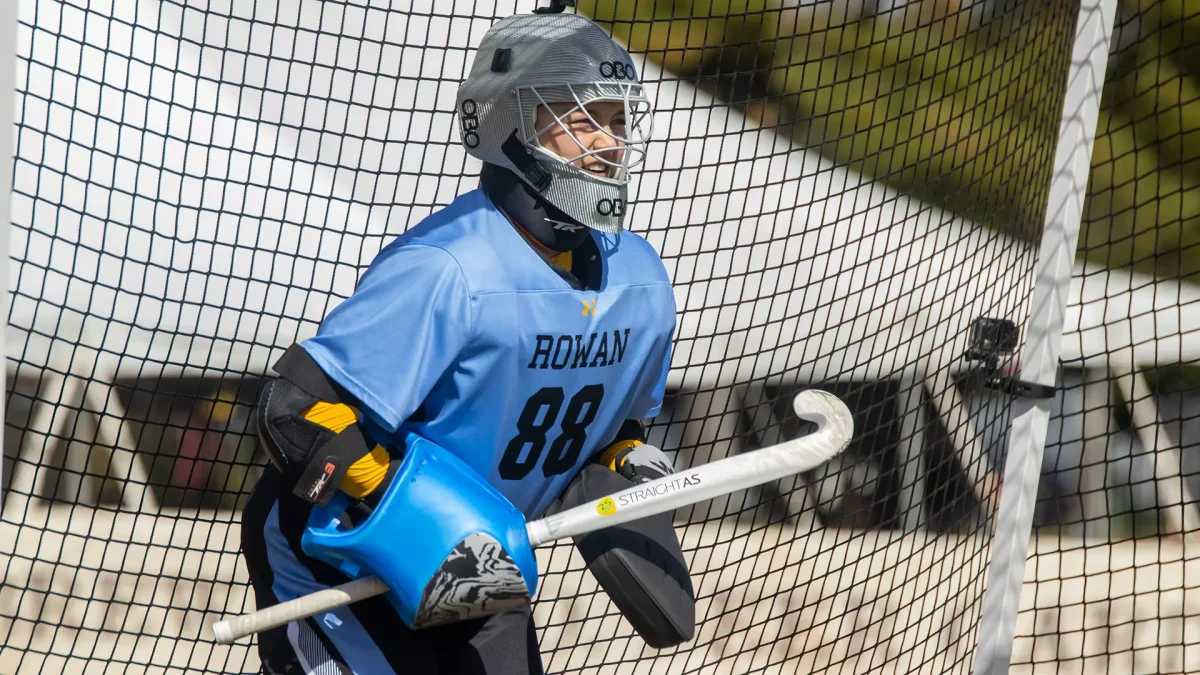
(513, 370)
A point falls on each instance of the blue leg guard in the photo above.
(446, 543)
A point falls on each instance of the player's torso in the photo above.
(551, 372)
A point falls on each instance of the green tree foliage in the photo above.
(957, 102)
(1144, 202)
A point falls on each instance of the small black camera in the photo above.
(991, 338)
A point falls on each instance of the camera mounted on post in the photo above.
(992, 340)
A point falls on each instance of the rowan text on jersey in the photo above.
(573, 351)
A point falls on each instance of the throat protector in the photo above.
(550, 226)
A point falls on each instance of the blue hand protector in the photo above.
(446, 543)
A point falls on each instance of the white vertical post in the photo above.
(1043, 333)
(1095, 435)
(8, 71)
(910, 451)
(1175, 499)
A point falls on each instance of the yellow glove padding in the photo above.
(368, 471)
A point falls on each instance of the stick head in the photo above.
(827, 412)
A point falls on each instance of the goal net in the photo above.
(839, 191)
(1111, 582)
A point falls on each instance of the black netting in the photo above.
(1117, 519)
(838, 189)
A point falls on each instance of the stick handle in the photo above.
(834, 427)
(299, 608)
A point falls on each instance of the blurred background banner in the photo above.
(839, 191)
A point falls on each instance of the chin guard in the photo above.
(639, 564)
(446, 543)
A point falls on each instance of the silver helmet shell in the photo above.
(533, 60)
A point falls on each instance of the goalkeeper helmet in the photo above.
(564, 63)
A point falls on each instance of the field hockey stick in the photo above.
(834, 427)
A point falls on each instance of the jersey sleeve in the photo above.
(401, 329)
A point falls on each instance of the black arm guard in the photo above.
(639, 564)
(311, 458)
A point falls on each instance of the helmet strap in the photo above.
(548, 225)
(526, 163)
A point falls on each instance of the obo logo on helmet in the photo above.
(470, 122)
(611, 207)
(618, 70)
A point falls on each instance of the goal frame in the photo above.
(1039, 356)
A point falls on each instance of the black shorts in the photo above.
(368, 637)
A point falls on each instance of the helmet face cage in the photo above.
(629, 149)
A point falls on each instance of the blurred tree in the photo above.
(1144, 202)
(954, 100)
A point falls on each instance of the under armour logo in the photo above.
(589, 308)
(565, 227)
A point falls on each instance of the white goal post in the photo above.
(1039, 356)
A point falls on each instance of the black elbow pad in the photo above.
(312, 458)
(639, 564)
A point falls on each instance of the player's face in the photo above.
(587, 138)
